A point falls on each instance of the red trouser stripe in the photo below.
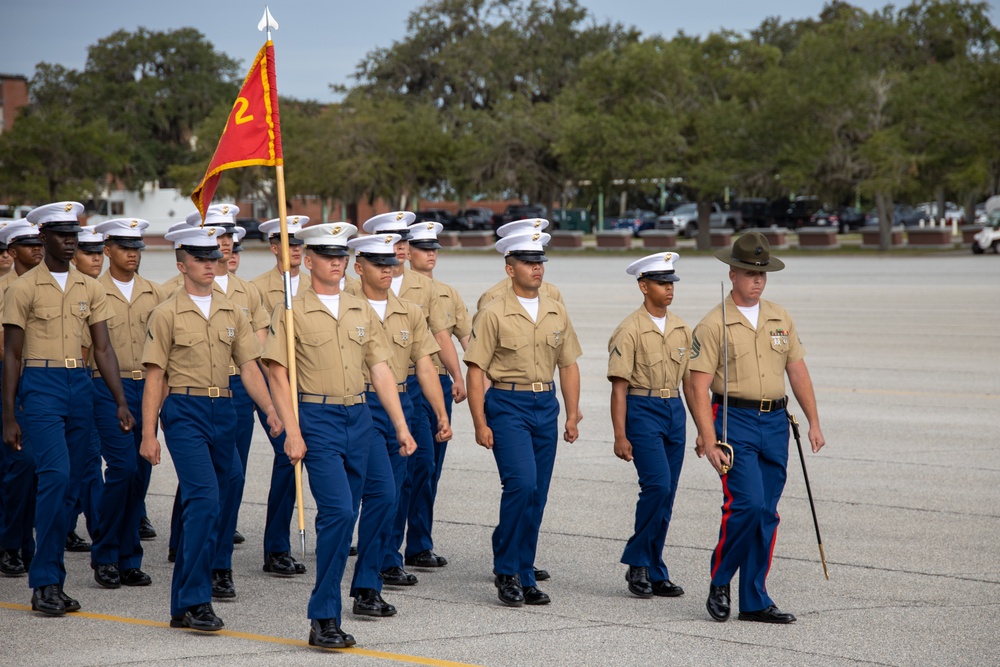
(725, 518)
(770, 553)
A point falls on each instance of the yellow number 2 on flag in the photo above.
(242, 104)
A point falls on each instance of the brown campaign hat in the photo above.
(751, 251)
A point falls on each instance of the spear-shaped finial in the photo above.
(267, 21)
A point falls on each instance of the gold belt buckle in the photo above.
(70, 363)
(666, 393)
(232, 369)
(136, 375)
(763, 402)
(537, 387)
(213, 392)
(349, 400)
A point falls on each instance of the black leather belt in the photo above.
(655, 393)
(763, 405)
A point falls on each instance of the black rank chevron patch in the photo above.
(617, 351)
(695, 347)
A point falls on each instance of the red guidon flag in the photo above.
(253, 134)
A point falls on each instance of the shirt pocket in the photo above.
(513, 343)
(742, 364)
(312, 348)
(779, 354)
(402, 338)
(189, 353)
(49, 322)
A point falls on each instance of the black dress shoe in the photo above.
(107, 575)
(11, 564)
(397, 576)
(222, 584)
(326, 633)
(770, 615)
(426, 559)
(146, 530)
(238, 537)
(76, 543)
(68, 602)
(369, 602)
(718, 602)
(638, 581)
(135, 577)
(509, 589)
(532, 595)
(171, 555)
(541, 575)
(353, 551)
(48, 601)
(666, 589)
(199, 617)
(281, 562)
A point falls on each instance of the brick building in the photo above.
(13, 96)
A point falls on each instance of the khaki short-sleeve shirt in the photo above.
(332, 354)
(498, 290)
(271, 286)
(195, 351)
(247, 297)
(511, 348)
(54, 320)
(456, 314)
(648, 359)
(757, 359)
(409, 339)
(420, 290)
(127, 325)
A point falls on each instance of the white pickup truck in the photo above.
(684, 219)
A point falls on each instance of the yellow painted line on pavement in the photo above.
(900, 392)
(395, 657)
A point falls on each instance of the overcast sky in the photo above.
(320, 42)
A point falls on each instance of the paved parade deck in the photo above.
(903, 352)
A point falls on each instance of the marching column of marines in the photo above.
(93, 362)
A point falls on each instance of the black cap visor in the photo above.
(92, 248)
(330, 250)
(131, 242)
(292, 240)
(61, 226)
(428, 244)
(31, 239)
(379, 259)
(530, 256)
(660, 276)
(203, 252)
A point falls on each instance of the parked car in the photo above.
(989, 237)
(477, 217)
(450, 221)
(252, 225)
(520, 212)
(756, 211)
(845, 219)
(902, 214)
(685, 219)
(635, 221)
(952, 212)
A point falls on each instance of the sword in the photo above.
(724, 442)
(805, 475)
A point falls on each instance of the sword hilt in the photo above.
(726, 467)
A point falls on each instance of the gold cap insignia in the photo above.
(430, 226)
(399, 216)
(336, 230)
(666, 258)
(536, 236)
(211, 231)
(295, 220)
(538, 223)
(225, 210)
(69, 207)
(133, 224)
(388, 239)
